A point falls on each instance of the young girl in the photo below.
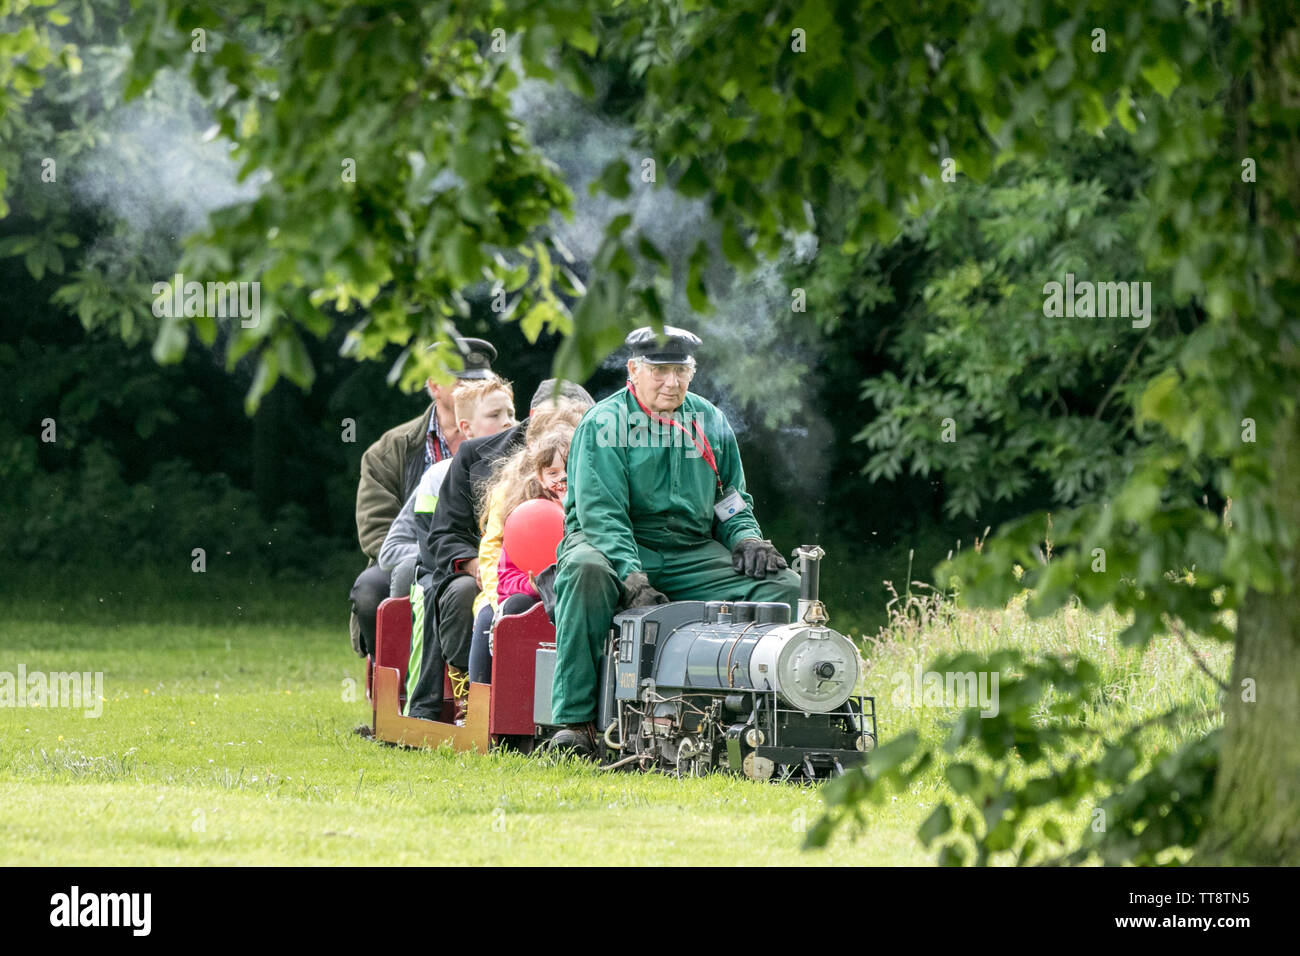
(538, 470)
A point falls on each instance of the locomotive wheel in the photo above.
(758, 768)
(688, 752)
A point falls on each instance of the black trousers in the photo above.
(442, 627)
(368, 592)
(456, 619)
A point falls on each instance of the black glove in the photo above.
(637, 591)
(756, 557)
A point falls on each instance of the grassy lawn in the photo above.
(226, 738)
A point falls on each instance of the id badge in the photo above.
(729, 505)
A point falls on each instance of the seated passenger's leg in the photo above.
(456, 632)
(705, 574)
(402, 577)
(517, 604)
(369, 590)
(424, 673)
(587, 594)
(480, 659)
(456, 619)
(481, 652)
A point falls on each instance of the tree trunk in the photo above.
(1255, 813)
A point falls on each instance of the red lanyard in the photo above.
(705, 450)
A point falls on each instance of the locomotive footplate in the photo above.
(812, 763)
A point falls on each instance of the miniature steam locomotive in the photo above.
(689, 686)
(696, 686)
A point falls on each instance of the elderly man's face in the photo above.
(661, 387)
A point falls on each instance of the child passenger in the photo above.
(484, 406)
(538, 470)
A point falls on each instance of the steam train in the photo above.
(689, 686)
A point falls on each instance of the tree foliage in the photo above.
(1142, 804)
(393, 173)
(1031, 399)
(834, 119)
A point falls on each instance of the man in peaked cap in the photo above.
(477, 356)
(656, 511)
(391, 469)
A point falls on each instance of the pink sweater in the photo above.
(511, 579)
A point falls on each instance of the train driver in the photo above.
(656, 510)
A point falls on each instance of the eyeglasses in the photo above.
(661, 373)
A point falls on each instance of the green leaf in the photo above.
(169, 346)
(461, 254)
(1162, 75)
(613, 180)
(735, 248)
(819, 833)
(618, 224)
(16, 245)
(650, 251)
(696, 293)
(952, 855)
(694, 181)
(1159, 398)
(293, 359)
(1124, 111)
(583, 39)
(35, 262)
(936, 824)
(963, 777)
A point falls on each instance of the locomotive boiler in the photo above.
(697, 686)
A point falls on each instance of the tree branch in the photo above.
(1177, 628)
(1128, 367)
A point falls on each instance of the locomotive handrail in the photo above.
(731, 682)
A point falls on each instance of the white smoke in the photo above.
(156, 171)
(749, 366)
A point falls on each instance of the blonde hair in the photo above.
(515, 477)
(470, 392)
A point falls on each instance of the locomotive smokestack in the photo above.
(810, 567)
(810, 570)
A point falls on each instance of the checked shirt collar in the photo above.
(435, 446)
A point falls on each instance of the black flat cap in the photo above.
(676, 347)
(476, 354)
(565, 389)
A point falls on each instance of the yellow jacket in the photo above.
(489, 553)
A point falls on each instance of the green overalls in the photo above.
(641, 498)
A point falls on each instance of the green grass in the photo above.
(226, 738)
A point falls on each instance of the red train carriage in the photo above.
(500, 713)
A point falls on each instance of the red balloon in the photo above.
(532, 533)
